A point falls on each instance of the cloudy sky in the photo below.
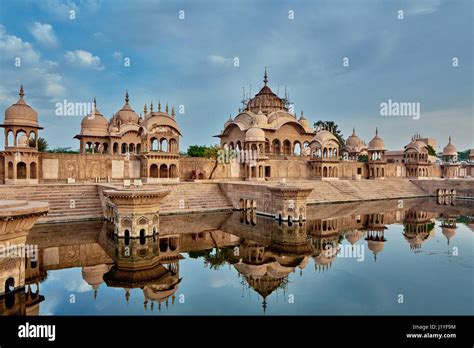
(202, 61)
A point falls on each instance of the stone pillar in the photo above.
(289, 202)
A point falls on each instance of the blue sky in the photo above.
(190, 61)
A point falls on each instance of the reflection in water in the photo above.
(261, 255)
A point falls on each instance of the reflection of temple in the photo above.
(375, 230)
(448, 227)
(418, 227)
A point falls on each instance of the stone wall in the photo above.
(463, 187)
(87, 167)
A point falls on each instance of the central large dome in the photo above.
(266, 101)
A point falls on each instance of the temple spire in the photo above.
(166, 109)
(172, 111)
(126, 96)
(22, 91)
(151, 106)
(95, 104)
(353, 130)
(144, 110)
(265, 77)
(159, 105)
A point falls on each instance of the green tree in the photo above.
(63, 150)
(333, 128)
(196, 151)
(431, 151)
(212, 153)
(42, 144)
(363, 158)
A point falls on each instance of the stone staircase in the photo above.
(348, 190)
(66, 202)
(194, 197)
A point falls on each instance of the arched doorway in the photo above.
(153, 171)
(33, 170)
(173, 171)
(21, 170)
(163, 171)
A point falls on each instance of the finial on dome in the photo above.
(265, 77)
(159, 105)
(450, 139)
(95, 104)
(302, 115)
(151, 106)
(166, 109)
(126, 96)
(172, 111)
(22, 91)
(144, 110)
(353, 130)
(376, 131)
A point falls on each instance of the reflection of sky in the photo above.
(432, 281)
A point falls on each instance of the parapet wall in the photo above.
(463, 187)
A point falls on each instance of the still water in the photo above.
(384, 257)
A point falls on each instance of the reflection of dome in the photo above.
(161, 292)
(255, 133)
(94, 123)
(353, 236)
(377, 143)
(93, 275)
(375, 246)
(23, 141)
(21, 113)
(450, 149)
(448, 232)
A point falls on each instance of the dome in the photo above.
(127, 114)
(353, 236)
(303, 121)
(155, 121)
(324, 136)
(265, 100)
(21, 113)
(375, 246)
(450, 149)
(255, 133)
(353, 140)
(94, 123)
(23, 141)
(376, 144)
(416, 145)
(261, 119)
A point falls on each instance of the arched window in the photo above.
(10, 138)
(154, 144)
(32, 139)
(127, 237)
(276, 146)
(287, 147)
(173, 145)
(164, 145)
(131, 148)
(139, 148)
(142, 237)
(297, 148)
(116, 148)
(124, 148)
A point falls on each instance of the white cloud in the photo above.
(118, 56)
(219, 60)
(83, 59)
(423, 7)
(35, 73)
(12, 47)
(44, 34)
